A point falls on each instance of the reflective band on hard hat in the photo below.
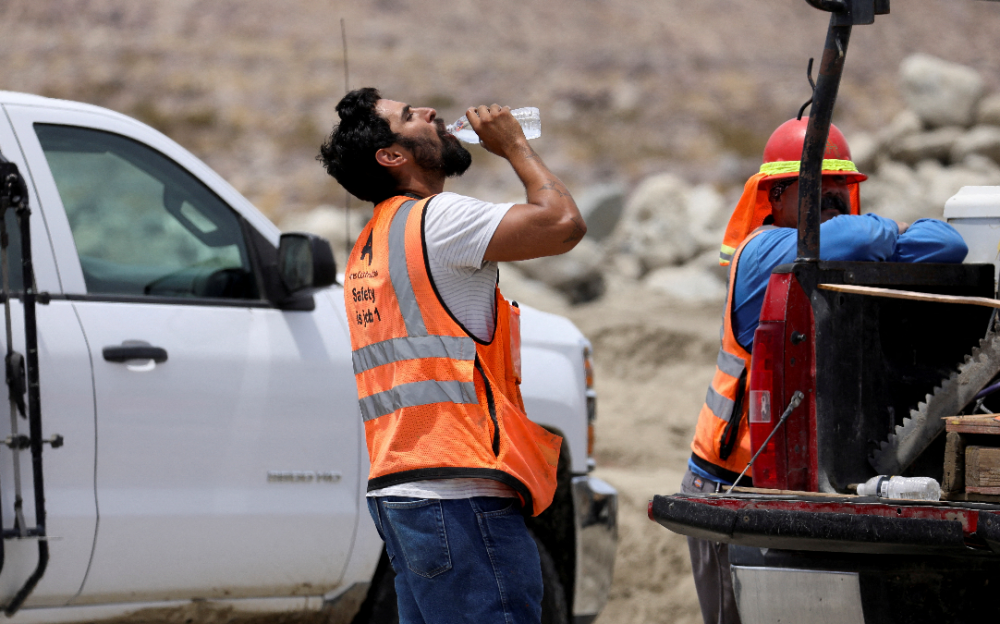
(417, 393)
(730, 364)
(400, 275)
(720, 405)
(793, 166)
(420, 347)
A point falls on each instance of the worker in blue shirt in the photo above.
(866, 238)
(762, 234)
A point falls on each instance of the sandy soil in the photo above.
(653, 362)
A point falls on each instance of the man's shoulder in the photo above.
(448, 198)
(451, 211)
(767, 250)
(458, 228)
(770, 236)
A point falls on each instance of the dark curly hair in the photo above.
(349, 152)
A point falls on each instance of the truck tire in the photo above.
(554, 608)
(380, 605)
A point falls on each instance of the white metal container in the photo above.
(975, 212)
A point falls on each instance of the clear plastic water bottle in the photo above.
(528, 117)
(906, 488)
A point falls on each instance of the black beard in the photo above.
(834, 202)
(448, 157)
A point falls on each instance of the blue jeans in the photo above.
(467, 560)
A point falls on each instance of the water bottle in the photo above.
(908, 488)
(528, 117)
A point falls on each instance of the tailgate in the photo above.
(858, 524)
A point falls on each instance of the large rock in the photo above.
(904, 124)
(941, 93)
(705, 206)
(981, 165)
(981, 140)
(941, 183)
(936, 144)
(337, 225)
(989, 110)
(578, 274)
(865, 151)
(666, 222)
(709, 261)
(516, 286)
(689, 284)
(896, 192)
(906, 194)
(625, 265)
(601, 206)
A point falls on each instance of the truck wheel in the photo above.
(554, 608)
(380, 605)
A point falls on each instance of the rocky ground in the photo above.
(654, 113)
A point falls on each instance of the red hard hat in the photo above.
(785, 145)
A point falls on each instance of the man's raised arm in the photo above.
(550, 223)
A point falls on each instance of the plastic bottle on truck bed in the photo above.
(906, 488)
(528, 117)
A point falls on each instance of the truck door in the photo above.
(67, 402)
(228, 443)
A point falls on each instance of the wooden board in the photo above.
(893, 293)
(981, 423)
(969, 497)
(982, 469)
(954, 464)
(798, 493)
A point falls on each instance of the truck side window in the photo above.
(143, 226)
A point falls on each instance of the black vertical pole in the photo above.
(811, 173)
(34, 407)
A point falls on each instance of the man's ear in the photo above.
(391, 156)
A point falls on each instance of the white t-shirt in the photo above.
(457, 230)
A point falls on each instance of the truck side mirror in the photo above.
(305, 263)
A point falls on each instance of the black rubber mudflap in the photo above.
(989, 529)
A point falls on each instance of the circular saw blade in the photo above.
(910, 439)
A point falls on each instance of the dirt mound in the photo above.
(638, 351)
(653, 362)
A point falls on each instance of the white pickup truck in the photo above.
(214, 456)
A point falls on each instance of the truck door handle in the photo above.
(124, 353)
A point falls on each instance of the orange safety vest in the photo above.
(721, 444)
(437, 403)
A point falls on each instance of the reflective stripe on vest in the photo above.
(416, 394)
(412, 348)
(721, 406)
(730, 364)
(400, 275)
